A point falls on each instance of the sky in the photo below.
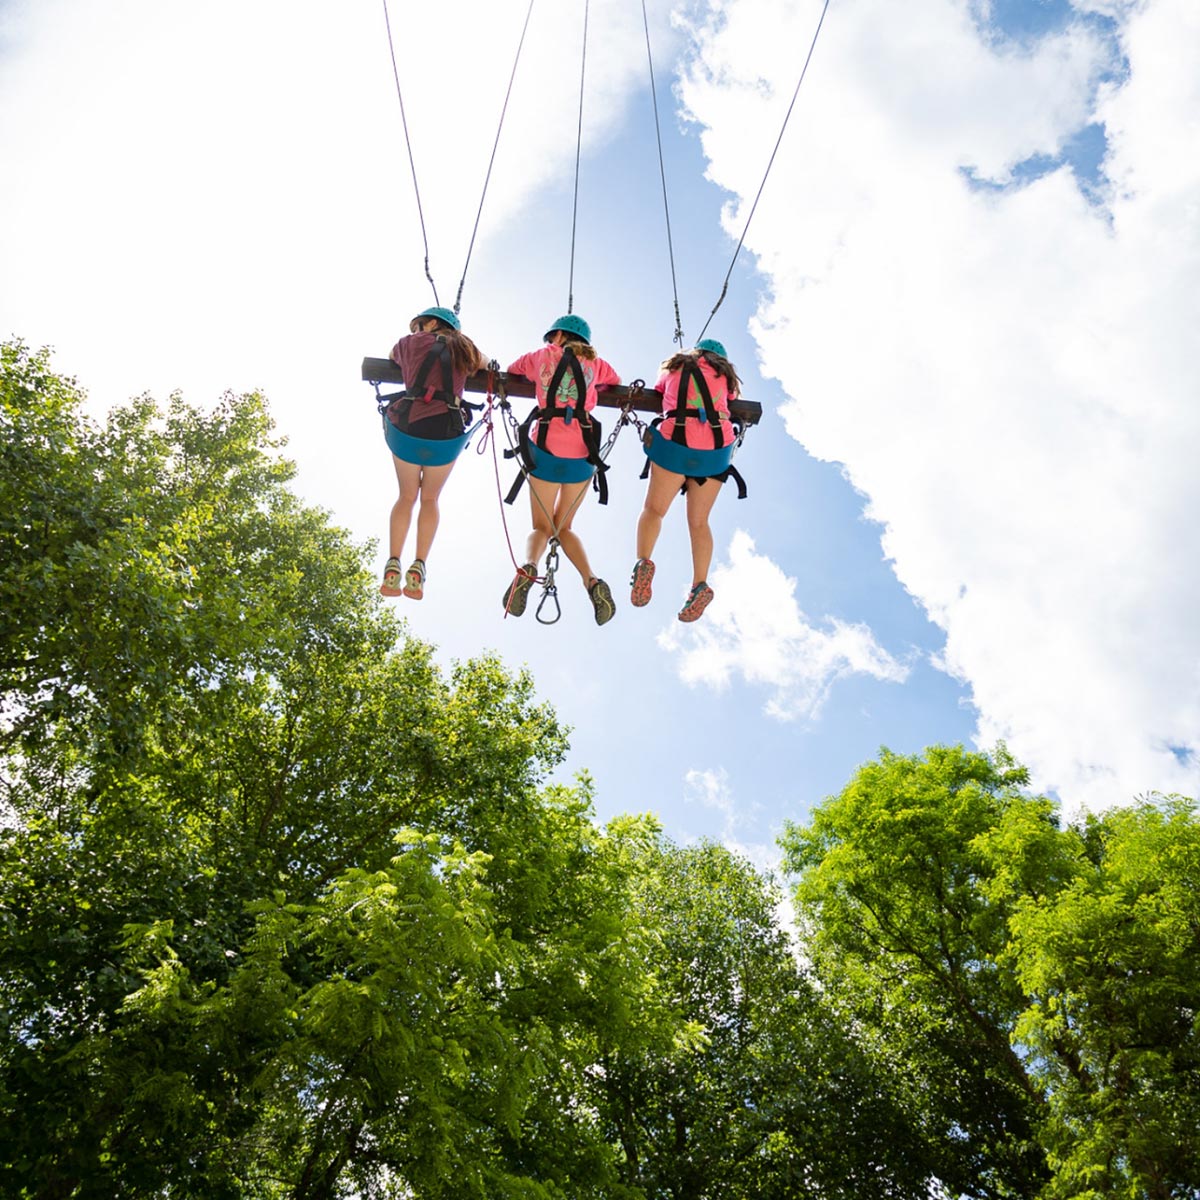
(967, 302)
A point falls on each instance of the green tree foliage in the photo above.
(1031, 988)
(1109, 957)
(285, 909)
(772, 1100)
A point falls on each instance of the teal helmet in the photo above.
(576, 326)
(442, 314)
(712, 346)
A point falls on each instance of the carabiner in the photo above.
(550, 593)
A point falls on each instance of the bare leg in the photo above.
(543, 499)
(660, 492)
(700, 500)
(408, 476)
(433, 479)
(570, 497)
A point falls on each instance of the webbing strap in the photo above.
(552, 409)
(691, 373)
(438, 355)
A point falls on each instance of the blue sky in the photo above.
(963, 304)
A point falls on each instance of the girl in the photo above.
(689, 452)
(425, 431)
(566, 372)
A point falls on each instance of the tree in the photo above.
(1030, 987)
(772, 1100)
(221, 974)
(1110, 961)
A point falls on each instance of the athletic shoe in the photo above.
(699, 599)
(602, 601)
(414, 579)
(517, 593)
(643, 576)
(391, 578)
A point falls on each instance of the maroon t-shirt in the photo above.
(408, 354)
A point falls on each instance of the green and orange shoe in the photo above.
(391, 578)
(643, 576)
(698, 600)
(602, 601)
(517, 593)
(414, 580)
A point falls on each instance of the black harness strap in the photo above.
(439, 358)
(439, 355)
(552, 411)
(689, 373)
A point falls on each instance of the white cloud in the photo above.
(755, 629)
(1009, 377)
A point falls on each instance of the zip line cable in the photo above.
(408, 143)
(578, 147)
(492, 160)
(662, 170)
(770, 163)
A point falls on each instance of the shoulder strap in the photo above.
(439, 355)
(565, 412)
(690, 372)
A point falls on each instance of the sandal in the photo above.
(517, 592)
(414, 580)
(698, 600)
(391, 578)
(602, 601)
(643, 576)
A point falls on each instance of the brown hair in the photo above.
(582, 349)
(464, 354)
(722, 366)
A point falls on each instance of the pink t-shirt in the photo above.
(698, 432)
(565, 441)
(408, 354)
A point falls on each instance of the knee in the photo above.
(697, 522)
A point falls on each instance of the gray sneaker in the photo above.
(517, 593)
(602, 601)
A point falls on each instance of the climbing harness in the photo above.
(535, 459)
(674, 454)
(428, 452)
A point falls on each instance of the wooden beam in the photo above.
(646, 399)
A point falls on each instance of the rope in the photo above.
(408, 143)
(662, 170)
(578, 147)
(770, 163)
(492, 160)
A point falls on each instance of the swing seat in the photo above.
(423, 452)
(685, 460)
(554, 469)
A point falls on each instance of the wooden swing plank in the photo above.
(647, 400)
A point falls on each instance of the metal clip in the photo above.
(550, 591)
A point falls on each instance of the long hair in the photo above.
(582, 349)
(722, 366)
(464, 354)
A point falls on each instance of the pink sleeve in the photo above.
(526, 365)
(605, 375)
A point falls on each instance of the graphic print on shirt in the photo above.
(568, 394)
